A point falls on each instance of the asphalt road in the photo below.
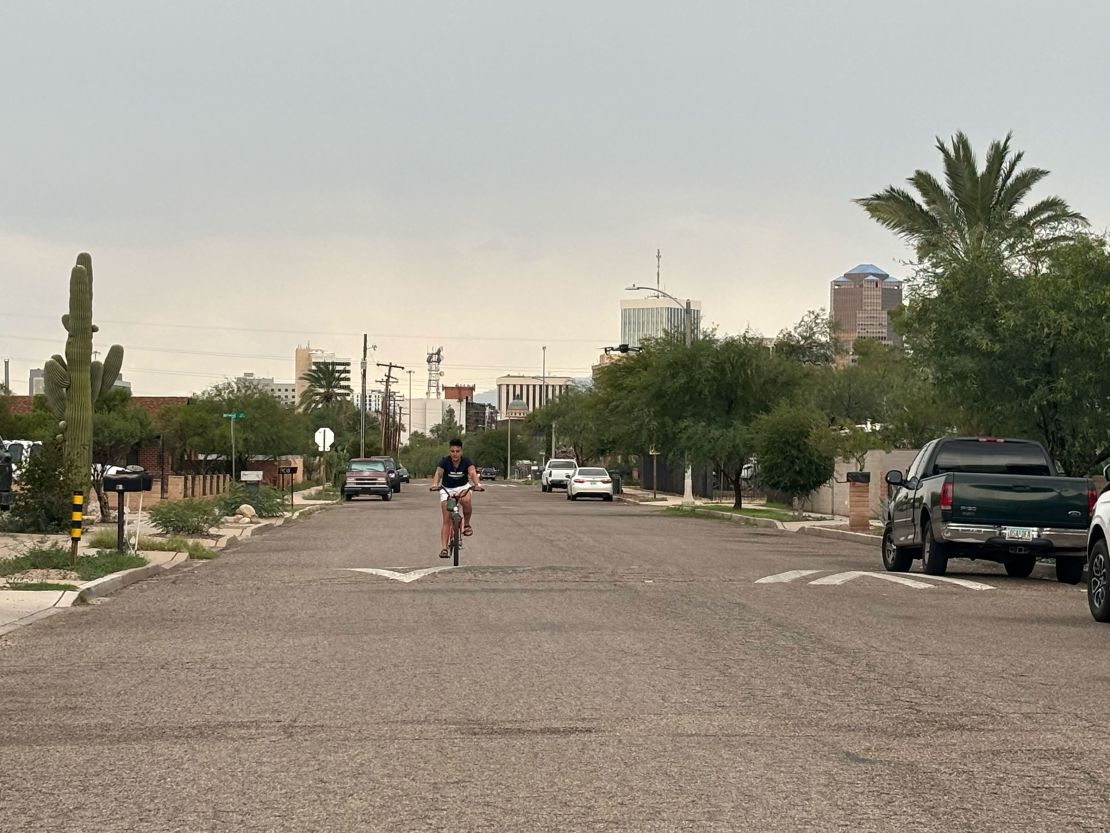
(590, 666)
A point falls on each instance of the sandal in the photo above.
(468, 531)
(444, 554)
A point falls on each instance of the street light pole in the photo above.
(688, 339)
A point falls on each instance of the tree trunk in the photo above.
(738, 499)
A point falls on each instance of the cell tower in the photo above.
(435, 390)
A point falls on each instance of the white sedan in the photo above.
(590, 482)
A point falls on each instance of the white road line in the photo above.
(784, 577)
(841, 578)
(963, 582)
(405, 577)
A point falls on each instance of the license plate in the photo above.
(1018, 533)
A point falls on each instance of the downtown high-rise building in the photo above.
(860, 304)
(654, 317)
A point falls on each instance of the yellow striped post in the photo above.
(75, 525)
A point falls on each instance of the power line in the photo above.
(286, 331)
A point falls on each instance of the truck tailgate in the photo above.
(1020, 500)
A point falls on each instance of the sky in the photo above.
(487, 177)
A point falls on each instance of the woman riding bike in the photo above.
(458, 476)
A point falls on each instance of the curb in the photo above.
(842, 534)
(116, 581)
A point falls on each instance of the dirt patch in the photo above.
(53, 576)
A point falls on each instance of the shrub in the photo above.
(185, 517)
(267, 501)
(43, 503)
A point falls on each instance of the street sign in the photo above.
(324, 437)
(234, 415)
(287, 469)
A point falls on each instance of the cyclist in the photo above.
(455, 473)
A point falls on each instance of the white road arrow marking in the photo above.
(405, 577)
(787, 576)
(963, 582)
(841, 578)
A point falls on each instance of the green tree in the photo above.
(976, 215)
(448, 429)
(328, 383)
(811, 341)
(199, 433)
(795, 451)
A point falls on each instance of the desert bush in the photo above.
(185, 517)
(267, 501)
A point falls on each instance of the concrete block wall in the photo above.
(832, 498)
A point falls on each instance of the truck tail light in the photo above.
(606, 480)
(946, 496)
(579, 480)
(1092, 497)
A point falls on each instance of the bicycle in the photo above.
(454, 507)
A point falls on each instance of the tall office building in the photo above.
(860, 305)
(643, 318)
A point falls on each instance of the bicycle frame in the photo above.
(454, 508)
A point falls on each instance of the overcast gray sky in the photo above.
(488, 176)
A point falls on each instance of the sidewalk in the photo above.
(825, 526)
(21, 607)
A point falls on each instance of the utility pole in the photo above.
(7, 378)
(658, 268)
(385, 402)
(362, 404)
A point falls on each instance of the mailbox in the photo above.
(131, 479)
(252, 480)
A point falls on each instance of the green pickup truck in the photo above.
(987, 498)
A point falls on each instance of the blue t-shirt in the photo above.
(455, 475)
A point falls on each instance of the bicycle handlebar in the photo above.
(471, 488)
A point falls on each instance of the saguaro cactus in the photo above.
(74, 383)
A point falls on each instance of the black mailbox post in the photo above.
(290, 470)
(131, 479)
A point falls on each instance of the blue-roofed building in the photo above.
(860, 303)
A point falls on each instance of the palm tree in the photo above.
(327, 383)
(979, 212)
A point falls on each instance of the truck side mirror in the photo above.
(1106, 473)
(894, 478)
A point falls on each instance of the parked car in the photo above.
(989, 498)
(1098, 557)
(392, 468)
(487, 473)
(557, 473)
(589, 481)
(367, 476)
(403, 474)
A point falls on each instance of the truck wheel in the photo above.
(1020, 566)
(1069, 570)
(388, 496)
(934, 555)
(349, 496)
(895, 559)
(1098, 597)
(543, 488)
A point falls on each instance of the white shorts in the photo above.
(452, 492)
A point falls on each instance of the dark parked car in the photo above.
(393, 469)
(403, 473)
(487, 473)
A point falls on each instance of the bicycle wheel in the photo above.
(456, 539)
